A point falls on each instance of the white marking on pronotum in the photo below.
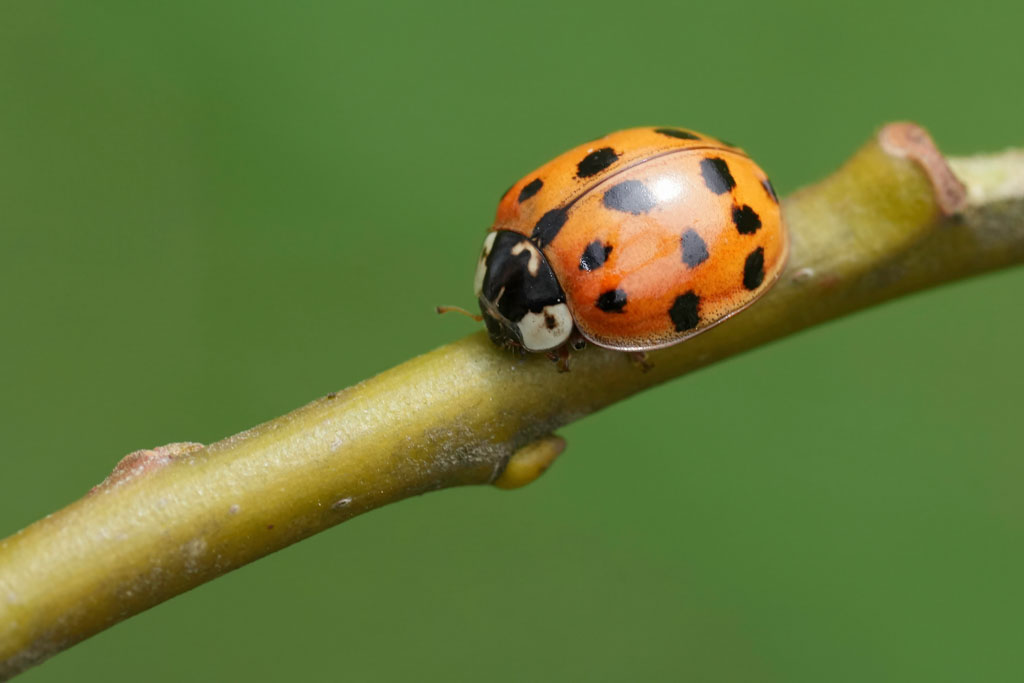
(541, 335)
(481, 266)
(533, 265)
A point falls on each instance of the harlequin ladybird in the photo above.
(634, 242)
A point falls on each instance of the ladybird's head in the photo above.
(520, 298)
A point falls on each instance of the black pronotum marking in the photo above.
(612, 301)
(594, 256)
(595, 162)
(549, 321)
(548, 226)
(630, 196)
(753, 269)
(770, 189)
(530, 189)
(677, 133)
(508, 284)
(684, 311)
(695, 250)
(746, 219)
(716, 175)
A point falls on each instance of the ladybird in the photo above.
(633, 242)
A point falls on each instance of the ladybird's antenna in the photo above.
(457, 309)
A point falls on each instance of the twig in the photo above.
(892, 220)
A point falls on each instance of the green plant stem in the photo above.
(171, 519)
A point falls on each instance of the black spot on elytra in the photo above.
(595, 162)
(684, 311)
(695, 250)
(677, 133)
(746, 219)
(548, 226)
(630, 196)
(767, 185)
(716, 175)
(612, 301)
(530, 189)
(594, 255)
(753, 269)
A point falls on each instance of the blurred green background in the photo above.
(213, 212)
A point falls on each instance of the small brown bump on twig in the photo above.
(911, 141)
(143, 461)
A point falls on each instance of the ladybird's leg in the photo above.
(563, 358)
(529, 462)
(577, 341)
(560, 356)
(640, 359)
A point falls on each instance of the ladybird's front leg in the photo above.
(640, 359)
(562, 354)
(561, 357)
